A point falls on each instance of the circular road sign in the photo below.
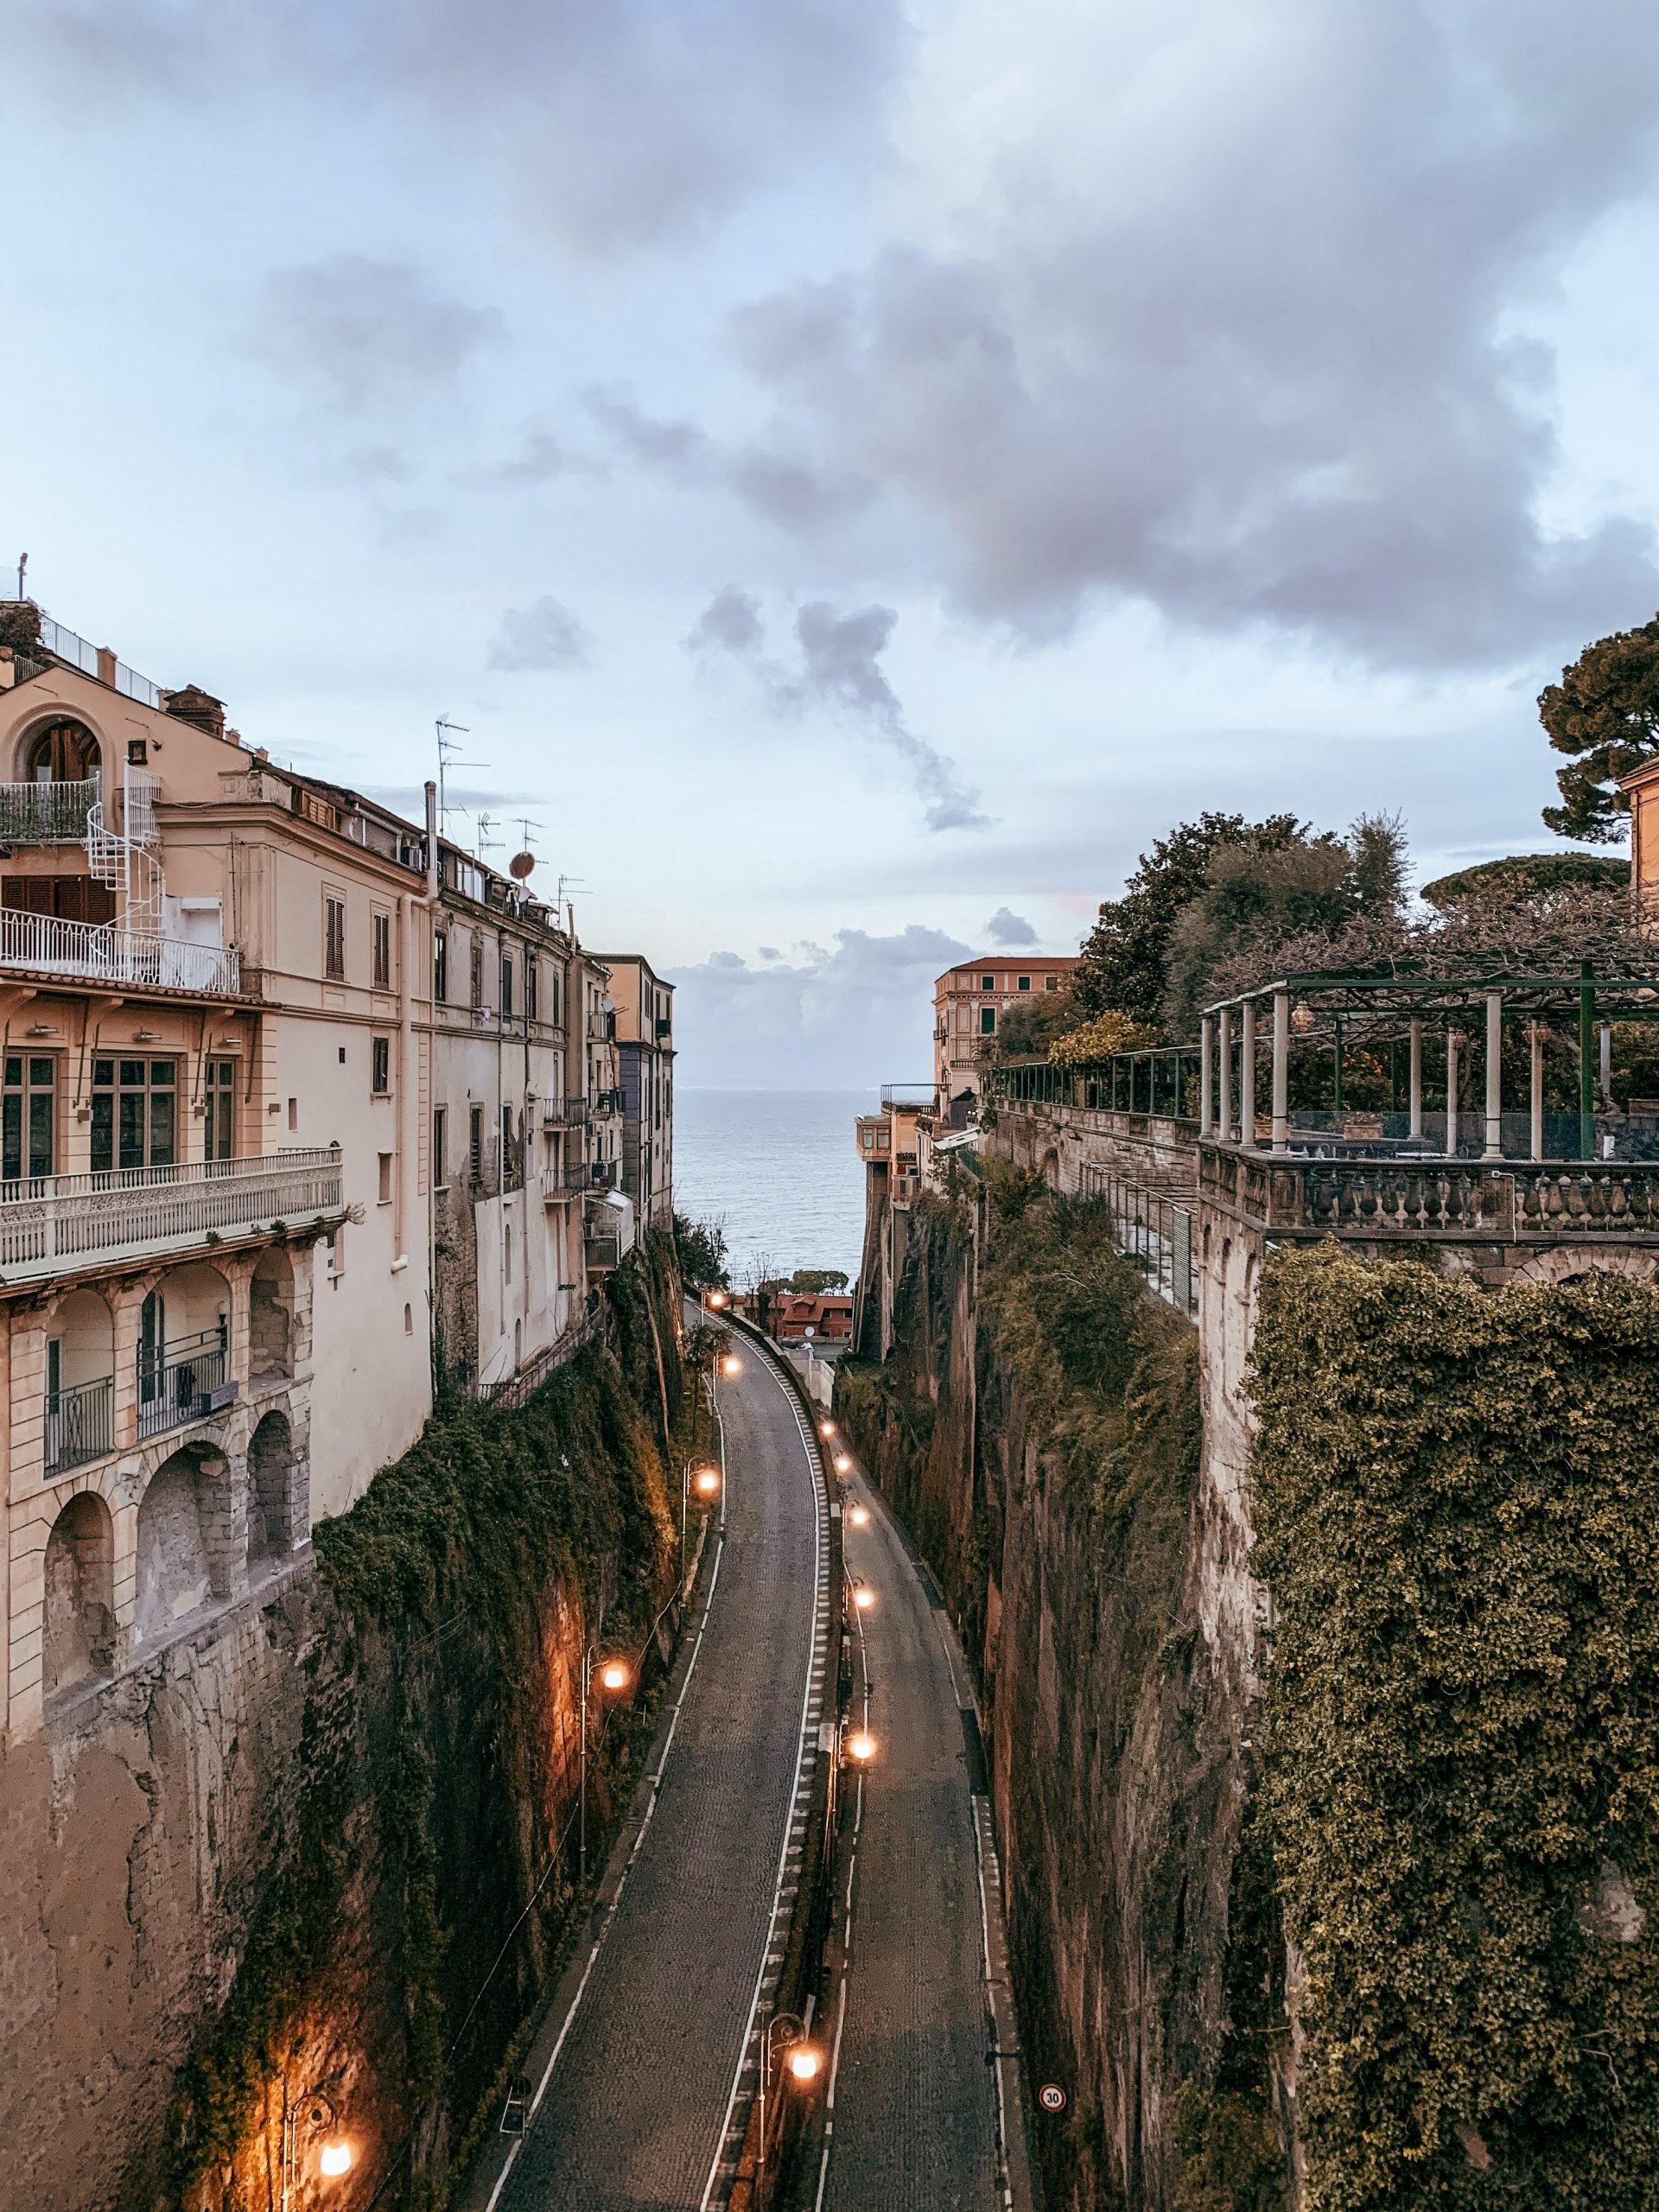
(1051, 2097)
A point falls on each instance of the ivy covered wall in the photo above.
(1456, 1497)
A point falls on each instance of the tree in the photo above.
(811, 1282)
(1523, 875)
(1121, 968)
(1603, 714)
(700, 1247)
(1032, 1024)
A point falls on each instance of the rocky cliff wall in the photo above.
(1036, 1428)
(321, 1847)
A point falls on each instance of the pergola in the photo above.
(1381, 1005)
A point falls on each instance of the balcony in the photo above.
(54, 1223)
(601, 1026)
(186, 1384)
(604, 1251)
(47, 813)
(80, 1424)
(101, 952)
(1511, 1201)
(564, 1113)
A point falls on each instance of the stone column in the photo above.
(1206, 1078)
(1453, 1039)
(1281, 1071)
(1416, 1098)
(1247, 1077)
(1536, 1034)
(1225, 1071)
(1494, 1075)
(222, 1506)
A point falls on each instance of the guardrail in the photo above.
(1152, 1227)
(109, 955)
(47, 813)
(52, 1222)
(98, 661)
(79, 1423)
(1507, 1200)
(185, 1385)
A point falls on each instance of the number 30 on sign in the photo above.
(1051, 2097)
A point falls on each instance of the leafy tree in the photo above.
(810, 1282)
(1032, 1024)
(1603, 714)
(1523, 875)
(701, 1248)
(1124, 962)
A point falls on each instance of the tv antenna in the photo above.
(485, 843)
(567, 883)
(448, 749)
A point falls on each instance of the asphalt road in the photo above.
(635, 2112)
(915, 2102)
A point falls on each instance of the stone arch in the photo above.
(79, 1381)
(1564, 1263)
(272, 1516)
(270, 1316)
(1050, 1170)
(184, 1346)
(79, 1638)
(173, 1574)
(62, 750)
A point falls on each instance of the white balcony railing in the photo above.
(111, 955)
(53, 1222)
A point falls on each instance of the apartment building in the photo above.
(971, 1001)
(643, 1009)
(298, 1100)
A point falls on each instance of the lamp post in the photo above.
(614, 1676)
(803, 2066)
(314, 2115)
(706, 1482)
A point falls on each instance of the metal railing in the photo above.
(1152, 1228)
(179, 1387)
(564, 1113)
(47, 813)
(79, 1423)
(92, 660)
(52, 1222)
(604, 1249)
(101, 950)
(541, 1366)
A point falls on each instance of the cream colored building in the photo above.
(643, 1007)
(969, 1004)
(263, 1066)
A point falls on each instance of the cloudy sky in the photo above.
(854, 472)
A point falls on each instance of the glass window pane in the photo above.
(40, 1074)
(13, 1071)
(161, 1071)
(161, 1128)
(40, 1133)
(103, 1071)
(133, 1071)
(103, 1132)
(132, 1129)
(11, 1146)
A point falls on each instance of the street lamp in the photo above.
(716, 1298)
(843, 1464)
(861, 1747)
(826, 1428)
(863, 1596)
(614, 1676)
(803, 2065)
(314, 2116)
(858, 1515)
(731, 1365)
(706, 1482)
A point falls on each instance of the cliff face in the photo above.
(323, 1846)
(1036, 1428)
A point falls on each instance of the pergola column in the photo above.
(1206, 1076)
(1453, 1039)
(1281, 1071)
(1247, 1077)
(1226, 1070)
(1415, 1100)
(1494, 1075)
(1535, 1035)
(1605, 1065)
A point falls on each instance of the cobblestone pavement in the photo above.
(914, 2127)
(635, 2112)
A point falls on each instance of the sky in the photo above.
(854, 473)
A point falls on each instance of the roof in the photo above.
(1023, 963)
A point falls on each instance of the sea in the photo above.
(778, 1170)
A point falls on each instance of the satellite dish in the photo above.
(520, 866)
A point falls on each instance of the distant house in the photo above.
(825, 1316)
(969, 1004)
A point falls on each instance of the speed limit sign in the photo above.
(1051, 2097)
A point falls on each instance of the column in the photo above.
(1494, 1075)
(1416, 1080)
(1605, 1065)
(1206, 1078)
(1281, 1071)
(1535, 1035)
(1453, 1039)
(1246, 1076)
(1224, 1070)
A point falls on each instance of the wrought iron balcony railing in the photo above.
(80, 1424)
(47, 813)
(104, 954)
(186, 1384)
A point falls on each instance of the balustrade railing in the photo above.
(114, 955)
(1414, 1198)
(1152, 1228)
(54, 1222)
(80, 1424)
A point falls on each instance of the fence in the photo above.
(1152, 1228)
(177, 1388)
(50, 1222)
(93, 660)
(543, 1365)
(114, 955)
(80, 1424)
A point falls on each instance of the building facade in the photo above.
(969, 1004)
(643, 1028)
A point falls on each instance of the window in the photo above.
(507, 1250)
(380, 944)
(531, 992)
(441, 967)
(134, 1114)
(1025, 983)
(336, 1242)
(1051, 983)
(477, 979)
(506, 987)
(385, 1178)
(293, 1113)
(380, 1061)
(137, 751)
(409, 1320)
(987, 982)
(988, 1021)
(28, 1117)
(219, 1137)
(333, 938)
(440, 1126)
(475, 1144)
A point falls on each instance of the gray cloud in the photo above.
(367, 330)
(781, 487)
(1006, 927)
(545, 634)
(539, 460)
(840, 667)
(611, 127)
(1255, 362)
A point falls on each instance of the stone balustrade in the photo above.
(1547, 1200)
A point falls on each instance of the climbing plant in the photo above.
(1456, 1498)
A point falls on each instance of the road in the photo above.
(646, 2073)
(914, 2127)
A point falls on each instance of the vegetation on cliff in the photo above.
(1456, 1508)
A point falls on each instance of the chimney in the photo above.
(198, 708)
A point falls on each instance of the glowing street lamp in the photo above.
(706, 1482)
(826, 1428)
(802, 2066)
(717, 1299)
(731, 1365)
(615, 1674)
(313, 2116)
(861, 1747)
(863, 1596)
(843, 1464)
(335, 2158)
(859, 1516)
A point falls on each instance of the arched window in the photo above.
(63, 752)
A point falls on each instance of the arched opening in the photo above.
(270, 1316)
(184, 1330)
(1051, 1168)
(80, 1625)
(271, 1504)
(64, 751)
(173, 1571)
(79, 1381)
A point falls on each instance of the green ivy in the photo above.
(1457, 1508)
